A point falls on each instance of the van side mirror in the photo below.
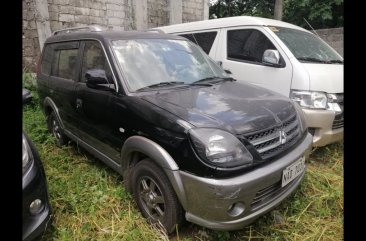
(271, 57)
(97, 79)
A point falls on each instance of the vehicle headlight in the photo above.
(27, 155)
(310, 99)
(219, 148)
(332, 103)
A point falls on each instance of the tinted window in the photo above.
(64, 63)
(94, 58)
(46, 60)
(247, 44)
(204, 40)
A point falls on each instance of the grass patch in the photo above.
(89, 201)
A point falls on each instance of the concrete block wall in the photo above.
(334, 37)
(158, 13)
(31, 50)
(114, 14)
(192, 10)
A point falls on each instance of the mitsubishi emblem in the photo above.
(283, 137)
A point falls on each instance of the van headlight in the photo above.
(26, 155)
(310, 99)
(219, 148)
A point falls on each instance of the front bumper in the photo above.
(321, 121)
(207, 200)
(35, 187)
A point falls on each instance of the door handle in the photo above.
(79, 103)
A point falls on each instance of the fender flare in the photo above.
(48, 102)
(160, 157)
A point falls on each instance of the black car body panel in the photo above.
(35, 187)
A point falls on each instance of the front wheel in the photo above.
(55, 128)
(155, 196)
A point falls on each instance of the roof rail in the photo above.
(91, 28)
(154, 30)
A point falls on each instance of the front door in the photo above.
(96, 105)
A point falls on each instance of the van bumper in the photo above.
(320, 124)
(233, 203)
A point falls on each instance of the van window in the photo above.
(46, 60)
(94, 58)
(247, 45)
(64, 63)
(204, 40)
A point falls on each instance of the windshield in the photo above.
(307, 47)
(148, 62)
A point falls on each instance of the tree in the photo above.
(278, 8)
(319, 13)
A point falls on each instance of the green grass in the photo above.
(90, 203)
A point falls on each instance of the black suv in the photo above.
(189, 141)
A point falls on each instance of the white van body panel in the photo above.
(325, 77)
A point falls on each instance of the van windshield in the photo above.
(155, 63)
(307, 47)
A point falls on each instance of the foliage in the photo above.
(319, 13)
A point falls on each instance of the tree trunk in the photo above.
(278, 9)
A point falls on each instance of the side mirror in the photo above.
(96, 79)
(271, 57)
(27, 96)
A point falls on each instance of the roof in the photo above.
(227, 22)
(109, 35)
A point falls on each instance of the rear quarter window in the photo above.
(205, 39)
(46, 60)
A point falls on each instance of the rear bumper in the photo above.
(209, 202)
(321, 121)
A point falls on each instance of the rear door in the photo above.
(65, 62)
(241, 52)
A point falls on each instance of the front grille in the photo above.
(271, 142)
(338, 119)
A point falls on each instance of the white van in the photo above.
(279, 56)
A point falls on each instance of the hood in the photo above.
(325, 77)
(238, 108)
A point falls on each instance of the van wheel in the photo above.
(155, 196)
(55, 128)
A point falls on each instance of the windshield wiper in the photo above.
(212, 80)
(161, 84)
(335, 61)
(310, 59)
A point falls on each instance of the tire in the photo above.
(55, 128)
(155, 196)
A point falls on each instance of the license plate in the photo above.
(291, 172)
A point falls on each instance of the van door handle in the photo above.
(79, 103)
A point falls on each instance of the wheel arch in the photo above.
(50, 106)
(136, 148)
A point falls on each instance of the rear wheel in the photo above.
(55, 128)
(155, 196)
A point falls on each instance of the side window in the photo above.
(64, 63)
(204, 40)
(46, 60)
(94, 58)
(247, 45)
(188, 36)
